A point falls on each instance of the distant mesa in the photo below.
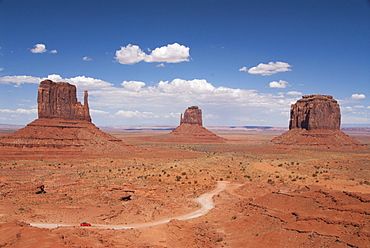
(315, 122)
(63, 123)
(191, 127)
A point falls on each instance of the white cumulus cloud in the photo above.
(130, 54)
(172, 53)
(132, 85)
(281, 84)
(243, 69)
(87, 58)
(41, 48)
(358, 96)
(268, 69)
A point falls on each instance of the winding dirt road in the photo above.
(205, 200)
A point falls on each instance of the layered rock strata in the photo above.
(315, 122)
(63, 123)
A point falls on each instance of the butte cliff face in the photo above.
(59, 100)
(191, 128)
(315, 122)
(64, 124)
(315, 112)
(193, 115)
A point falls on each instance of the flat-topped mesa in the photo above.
(59, 100)
(315, 123)
(315, 112)
(193, 115)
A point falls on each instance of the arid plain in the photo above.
(276, 197)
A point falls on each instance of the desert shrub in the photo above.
(314, 175)
(178, 178)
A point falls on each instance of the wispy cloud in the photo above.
(172, 53)
(80, 81)
(135, 114)
(87, 59)
(19, 111)
(268, 69)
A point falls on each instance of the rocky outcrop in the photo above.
(59, 100)
(63, 124)
(315, 122)
(191, 128)
(315, 112)
(193, 115)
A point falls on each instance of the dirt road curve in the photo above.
(205, 200)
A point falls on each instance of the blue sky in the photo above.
(145, 62)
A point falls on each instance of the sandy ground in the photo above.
(275, 198)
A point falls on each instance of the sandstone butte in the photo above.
(315, 122)
(63, 123)
(191, 127)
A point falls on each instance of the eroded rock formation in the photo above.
(191, 128)
(315, 122)
(193, 115)
(315, 112)
(59, 100)
(63, 123)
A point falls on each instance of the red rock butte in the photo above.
(63, 123)
(315, 122)
(191, 128)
